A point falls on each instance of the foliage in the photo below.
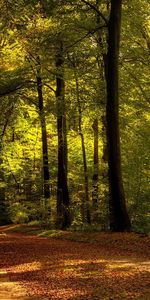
(31, 28)
(18, 213)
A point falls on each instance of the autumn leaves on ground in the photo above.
(76, 266)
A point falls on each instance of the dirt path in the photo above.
(41, 268)
(9, 290)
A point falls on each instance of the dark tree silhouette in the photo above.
(119, 219)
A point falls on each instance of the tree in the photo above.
(4, 217)
(82, 29)
(119, 219)
(46, 176)
(96, 161)
(63, 211)
(86, 208)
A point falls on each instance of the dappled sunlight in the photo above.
(135, 266)
(82, 262)
(62, 269)
(83, 267)
(94, 268)
(8, 227)
(21, 268)
(2, 273)
(74, 150)
(10, 290)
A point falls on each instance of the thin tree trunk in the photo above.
(4, 217)
(63, 202)
(95, 159)
(46, 176)
(119, 219)
(86, 182)
(102, 65)
(3, 213)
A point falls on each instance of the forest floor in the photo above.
(73, 266)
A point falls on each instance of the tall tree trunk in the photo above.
(95, 159)
(2, 193)
(4, 218)
(119, 219)
(46, 176)
(86, 181)
(101, 59)
(102, 66)
(63, 202)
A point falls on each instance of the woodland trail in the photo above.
(114, 267)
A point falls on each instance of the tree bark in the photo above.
(95, 160)
(86, 208)
(119, 219)
(3, 210)
(102, 67)
(46, 176)
(63, 202)
(4, 217)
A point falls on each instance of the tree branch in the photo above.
(96, 9)
(45, 84)
(91, 32)
(10, 89)
(9, 112)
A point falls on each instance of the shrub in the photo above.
(18, 213)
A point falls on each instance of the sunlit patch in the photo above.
(120, 265)
(2, 273)
(8, 288)
(128, 264)
(84, 268)
(21, 268)
(67, 293)
(8, 227)
(96, 268)
(82, 262)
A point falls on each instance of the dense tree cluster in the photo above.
(74, 123)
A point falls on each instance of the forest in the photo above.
(74, 114)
